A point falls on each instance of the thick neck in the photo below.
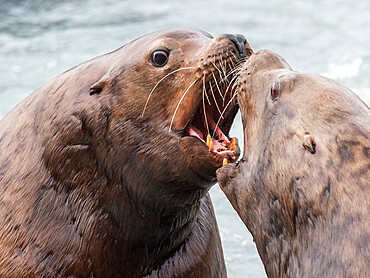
(302, 226)
(149, 233)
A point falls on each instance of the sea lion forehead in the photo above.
(174, 35)
(181, 34)
(182, 39)
(265, 60)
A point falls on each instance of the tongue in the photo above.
(215, 139)
(220, 145)
(193, 131)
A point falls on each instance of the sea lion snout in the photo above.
(240, 42)
(226, 173)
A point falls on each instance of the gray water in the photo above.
(41, 39)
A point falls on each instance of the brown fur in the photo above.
(302, 187)
(90, 188)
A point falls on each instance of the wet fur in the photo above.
(302, 187)
(91, 188)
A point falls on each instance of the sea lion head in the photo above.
(139, 114)
(293, 123)
(304, 169)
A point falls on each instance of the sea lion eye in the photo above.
(159, 58)
(275, 90)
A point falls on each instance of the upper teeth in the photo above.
(209, 142)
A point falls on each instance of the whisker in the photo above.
(238, 61)
(227, 105)
(236, 58)
(204, 111)
(232, 81)
(222, 65)
(242, 71)
(231, 66)
(155, 86)
(234, 70)
(232, 62)
(204, 89)
(216, 67)
(214, 77)
(225, 67)
(221, 78)
(178, 104)
(214, 98)
(219, 72)
(241, 61)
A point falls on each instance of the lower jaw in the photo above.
(202, 160)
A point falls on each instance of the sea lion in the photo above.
(303, 185)
(104, 170)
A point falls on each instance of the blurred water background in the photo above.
(39, 39)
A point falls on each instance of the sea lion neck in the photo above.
(107, 166)
(302, 185)
(148, 230)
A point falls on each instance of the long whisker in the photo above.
(225, 62)
(221, 78)
(241, 61)
(232, 62)
(227, 105)
(214, 98)
(204, 89)
(234, 70)
(155, 86)
(238, 61)
(214, 77)
(216, 67)
(232, 81)
(231, 66)
(236, 58)
(222, 65)
(204, 111)
(178, 104)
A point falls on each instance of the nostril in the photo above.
(241, 39)
(239, 42)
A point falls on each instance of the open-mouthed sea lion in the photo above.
(104, 170)
(303, 185)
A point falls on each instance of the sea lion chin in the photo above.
(104, 170)
(302, 186)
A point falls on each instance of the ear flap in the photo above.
(98, 86)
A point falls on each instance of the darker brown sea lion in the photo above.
(303, 185)
(104, 170)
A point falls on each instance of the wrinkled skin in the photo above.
(90, 186)
(302, 188)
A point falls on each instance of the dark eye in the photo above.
(159, 58)
(275, 90)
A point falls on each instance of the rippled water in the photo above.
(40, 39)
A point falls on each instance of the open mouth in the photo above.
(214, 116)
